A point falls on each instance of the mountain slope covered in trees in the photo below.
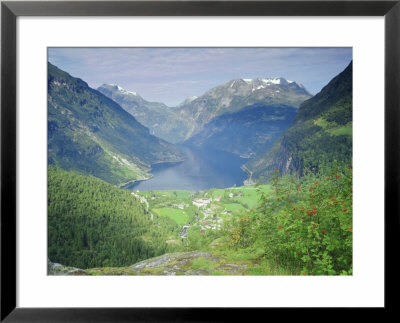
(94, 224)
(321, 134)
(92, 134)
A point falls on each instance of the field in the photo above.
(177, 215)
(186, 208)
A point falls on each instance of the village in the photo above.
(206, 210)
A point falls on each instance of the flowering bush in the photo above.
(306, 224)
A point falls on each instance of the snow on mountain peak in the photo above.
(275, 80)
(122, 90)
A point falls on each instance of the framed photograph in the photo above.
(187, 160)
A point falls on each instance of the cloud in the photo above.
(170, 75)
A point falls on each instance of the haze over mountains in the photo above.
(90, 133)
(161, 120)
(193, 116)
(90, 130)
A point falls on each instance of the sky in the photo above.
(170, 75)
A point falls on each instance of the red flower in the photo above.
(345, 210)
(313, 211)
(302, 217)
(308, 213)
(350, 229)
(323, 231)
(337, 176)
(276, 170)
(333, 199)
(280, 227)
(304, 273)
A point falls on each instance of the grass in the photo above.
(345, 130)
(201, 263)
(265, 268)
(177, 215)
(333, 129)
(321, 122)
(234, 207)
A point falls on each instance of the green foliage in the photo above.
(94, 224)
(304, 226)
(320, 134)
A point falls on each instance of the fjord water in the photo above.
(202, 169)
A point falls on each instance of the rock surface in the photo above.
(54, 269)
(179, 263)
(188, 263)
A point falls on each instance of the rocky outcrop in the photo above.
(54, 269)
(179, 263)
(188, 263)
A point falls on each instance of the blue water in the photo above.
(201, 170)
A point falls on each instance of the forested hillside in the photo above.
(320, 134)
(92, 134)
(95, 224)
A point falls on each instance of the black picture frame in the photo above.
(10, 10)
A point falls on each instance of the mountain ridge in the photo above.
(178, 124)
(90, 133)
(236, 94)
(321, 133)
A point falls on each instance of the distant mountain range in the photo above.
(248, 132)
(116, 135)
(237, 94)
(90, 133)
(242, 116)
(161, 120)
(321, 133)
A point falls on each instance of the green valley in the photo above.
(288, 227)
(252, 177)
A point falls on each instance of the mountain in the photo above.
(247, 133)
(188, 119)
(162, 120)
(321, 133)
(188, 100)
(90, 133)
(237, 94)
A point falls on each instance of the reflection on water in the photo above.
(202, 169)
